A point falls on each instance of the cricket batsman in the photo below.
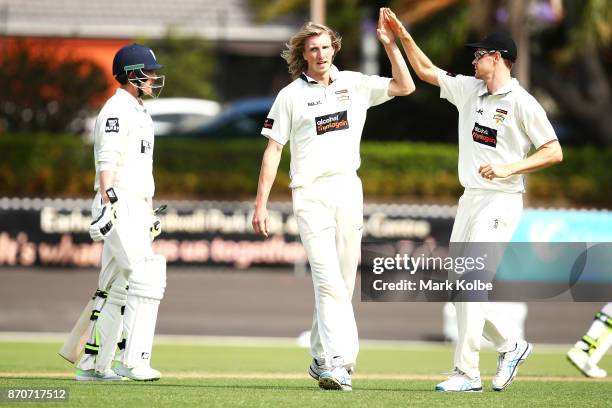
(132, 278)
(590, 349)
(321, 115)
(499, 121)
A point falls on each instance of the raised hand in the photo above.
(383, 32)
(393, 22)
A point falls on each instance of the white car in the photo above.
(180, 115)
(171, 115)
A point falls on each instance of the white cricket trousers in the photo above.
(329, 214)
(484, 216)
(130, 241)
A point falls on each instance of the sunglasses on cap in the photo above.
(481, 53)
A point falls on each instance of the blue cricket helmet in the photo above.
(133, 57)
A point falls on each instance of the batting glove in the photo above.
(101, 227)
(156, 227)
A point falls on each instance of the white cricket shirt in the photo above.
(123, 143)
(494, 128)
(323, 125)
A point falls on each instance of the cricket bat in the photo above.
(72, 347)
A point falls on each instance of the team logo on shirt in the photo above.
(268, 123)
(112, 125)
(342, 95)
(329, 123)
(146, 147)
(484, 135)
(500, 115)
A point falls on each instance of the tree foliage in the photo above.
(573, 65)
(60, 165)
(569, 59)
(41, 91)
(189, 65)
(343, 16)
(569, 55)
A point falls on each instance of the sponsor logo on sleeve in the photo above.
(112, 125)
(329, 123)
(450, 74)
(268, 123)
(484, 135)
(146, 147)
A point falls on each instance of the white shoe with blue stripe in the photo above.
(336, 379)
(508, 364)
(460, 382)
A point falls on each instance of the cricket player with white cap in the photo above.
(132, 278)
(589, 350)
(499, 121)
(321, 114)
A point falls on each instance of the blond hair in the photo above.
(294, 54)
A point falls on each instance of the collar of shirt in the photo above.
(129, 99)
(509, 87)
(333, 75)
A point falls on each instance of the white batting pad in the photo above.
(146, 288)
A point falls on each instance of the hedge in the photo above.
(61, 165)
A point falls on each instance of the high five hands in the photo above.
(383, 31)
(392, 22)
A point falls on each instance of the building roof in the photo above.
(229, 20)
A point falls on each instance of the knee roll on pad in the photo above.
(117, 294)
(148, 279)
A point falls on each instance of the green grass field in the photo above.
(274, 375)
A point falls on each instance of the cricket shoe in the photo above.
(508, 364)
(93, 375)
(460, 382)
(140, 373)
(336, 379)
(580, 359)
(315, 369)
